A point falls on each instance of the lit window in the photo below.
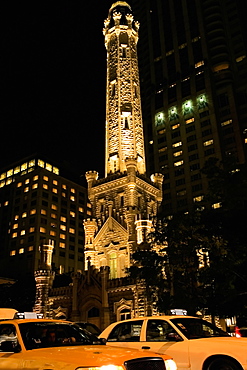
(199, 198)
(190, 120)
(34, 186)
(19, 184)
(33, 211)
(64, 186)
(2, 176)
(54, 190)
(161, 132)
(199, 64)
(175, 126)
(63, 219)
(9, 181)
(31, 229)
(72, 190)
(53, 224)
(177, 154)
(27, 181)
(24, 214)
(48, 167)
(35, 178)
(225, 123)
(63, 194)
(23, 232)
(42, 229)
(16, 217)
(15, 226)
(80, 209)
(63, 227)
(21, 250)
(216, 205)
(163, 149)
(16, 170)
(12, 253)
(10, 173)
(71, 230)
(53, 206)
(72, 198)
(151, 142)
(6, 203)
(208, 142)
(179, 163)
(89, 212)
(175, 145)
(45, 186)
(2, 184)
(53, 233)
(72, 214)
(62, 236)
(30, 248)
(31, 163)
(43, 212)
(14, 235)
(26, 189)
(54, 182)
(23, 166)
(56, 170)
(239, 59)
(41, 163)
(62, 245)
(46, 178)
(53, 215)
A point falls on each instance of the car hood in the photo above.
(225, 344)
(89, 355)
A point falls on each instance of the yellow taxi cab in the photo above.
(193, 343)
(44, 344)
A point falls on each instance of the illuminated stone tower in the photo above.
(125, 201)
(124, 129)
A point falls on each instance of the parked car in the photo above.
(92, 328)
(55, 345)
(194, 344)
(241, 332)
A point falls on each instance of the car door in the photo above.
(161, 337)
(8, 344)
(126, 334)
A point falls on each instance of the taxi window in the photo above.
(8, 338)
(126, 332)
(160, 330)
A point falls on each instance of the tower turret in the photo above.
(124, 128)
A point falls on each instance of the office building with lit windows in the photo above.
(39, 205)
(193, 71)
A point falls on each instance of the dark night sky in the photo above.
(53, 82)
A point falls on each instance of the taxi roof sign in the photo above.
(7, 313)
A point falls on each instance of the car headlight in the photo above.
(170, 365)
(105, 367)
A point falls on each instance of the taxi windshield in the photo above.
(197, 328)
(52, 334)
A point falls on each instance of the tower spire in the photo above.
(124, 128)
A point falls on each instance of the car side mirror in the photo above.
(10, 346)
(103, 340)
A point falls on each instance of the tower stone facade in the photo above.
(44, 277)
(125, 201)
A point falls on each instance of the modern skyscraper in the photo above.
(193, 68)
(39, 205)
